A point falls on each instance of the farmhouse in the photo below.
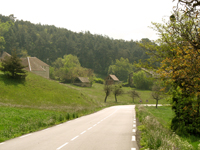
(36, 66)
(32, 64)
(111, 79)
(82, 81)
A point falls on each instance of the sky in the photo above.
(117, 19)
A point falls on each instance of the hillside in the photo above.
(38, 92)
(48, 43)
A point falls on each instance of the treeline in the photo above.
(48, 43)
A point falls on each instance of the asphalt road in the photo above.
(112, 128)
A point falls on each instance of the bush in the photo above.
(142, 81)
(99, 80)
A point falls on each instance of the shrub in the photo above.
(142, 81)
(99, 80)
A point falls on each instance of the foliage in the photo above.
(49, 43)
(68, 68)
(4, 27)
(157, 92)
(12, 66)
(121, 68)
(107, 89)
(99, 80)
(142, 81)
(117, 90)
(133, 94)
(178, 49)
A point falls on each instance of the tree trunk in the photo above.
(198, 103)
(156, 103)
(115, 98)
(105, 98)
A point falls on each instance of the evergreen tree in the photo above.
(12, 66)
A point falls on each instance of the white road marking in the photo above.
(62, 146)
(89, 128)
(134, 130)
(133, 138)
(99, 122)
(83, 132)
(2, 143)
(74, 138)
(133, 148)
(24, 136)
(94, 125)
(134, 121)
(134, 125)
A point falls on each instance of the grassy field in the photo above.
(38, 103)
(97, 94)
(159, 128)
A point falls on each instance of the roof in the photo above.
(83, 79)
(154, 74)
(4, 54)
(34, 64)
(114, 77)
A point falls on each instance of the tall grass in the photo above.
(155, 136)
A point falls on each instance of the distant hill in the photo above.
(48, 43)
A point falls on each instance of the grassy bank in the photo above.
(156, 132)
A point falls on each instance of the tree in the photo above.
(117, 90)
(107, 90)
(157, 92)
(13, 67)
(178, 49)
(142, 80)
(4, 27)
(133, 94)
(121, 69)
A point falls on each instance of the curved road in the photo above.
(112, 128)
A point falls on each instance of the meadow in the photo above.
(38, 103)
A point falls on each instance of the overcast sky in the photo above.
(118, 19)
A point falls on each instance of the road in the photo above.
(112, 128)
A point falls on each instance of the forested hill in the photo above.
(48, 43)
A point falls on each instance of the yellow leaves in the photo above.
(183, 83)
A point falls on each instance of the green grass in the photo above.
(164, 115)
(18, 121)
(97, 94)
(37, 103)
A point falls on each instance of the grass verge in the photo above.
(157, 136)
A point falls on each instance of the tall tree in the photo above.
(179, 51)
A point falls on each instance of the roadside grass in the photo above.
(156, 132)
(18, 121)
(163, 114)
